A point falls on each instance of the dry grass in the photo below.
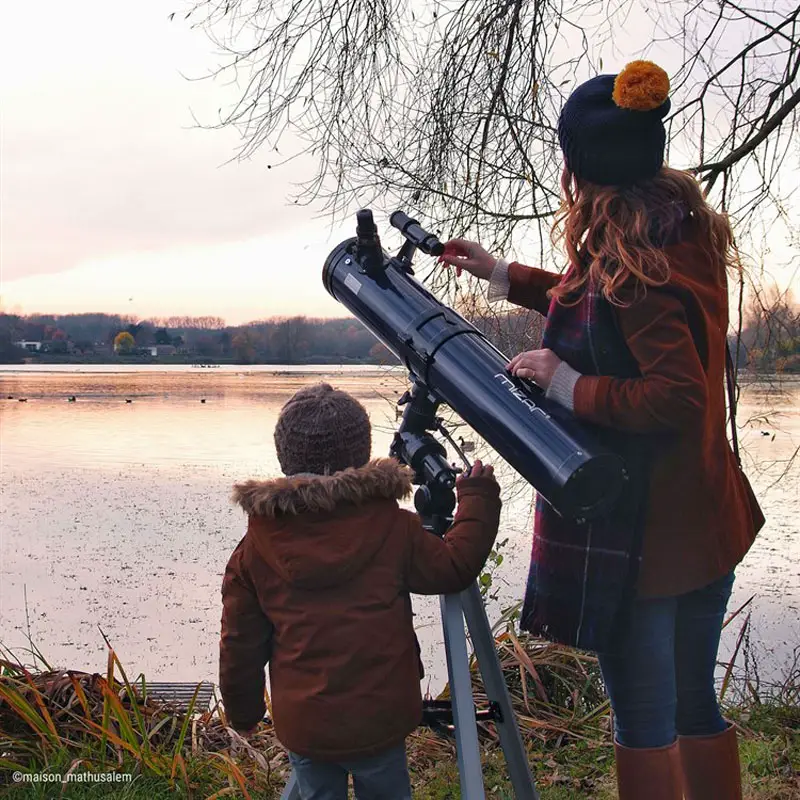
(61, 720)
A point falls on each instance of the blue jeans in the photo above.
(661, 680)
(383, 777)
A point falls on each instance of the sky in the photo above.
(112, 199)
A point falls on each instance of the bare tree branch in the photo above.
(449, 109)
(713, 171)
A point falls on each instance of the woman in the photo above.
(635, 346)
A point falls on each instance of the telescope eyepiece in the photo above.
(368, 244)
(365, 224)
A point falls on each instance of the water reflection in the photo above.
(116, 514)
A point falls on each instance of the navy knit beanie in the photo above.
(611, 128)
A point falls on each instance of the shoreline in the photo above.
(745, 377)
(262, 369)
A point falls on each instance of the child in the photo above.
(319, 588)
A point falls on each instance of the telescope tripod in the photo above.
(435, 502)
(455, 608)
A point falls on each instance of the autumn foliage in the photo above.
(124, 342)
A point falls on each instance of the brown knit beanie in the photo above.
(322, 430)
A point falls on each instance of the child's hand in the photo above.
(478, 471)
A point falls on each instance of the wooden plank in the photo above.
(181, 694)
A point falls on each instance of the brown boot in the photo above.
(648, 773)
(710, 764)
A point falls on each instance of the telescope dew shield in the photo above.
(457, 362)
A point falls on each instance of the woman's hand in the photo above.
(463, 254)
(538, 366)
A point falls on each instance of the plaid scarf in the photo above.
(582, 576)
(582, 579)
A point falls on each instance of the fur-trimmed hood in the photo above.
(319, 531)
(383, 478)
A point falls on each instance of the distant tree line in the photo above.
(769, 342)
(292, 340)
(109, 337)
(770, 339)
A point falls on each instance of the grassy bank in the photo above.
(61, 721)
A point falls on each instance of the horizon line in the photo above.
(137, 319)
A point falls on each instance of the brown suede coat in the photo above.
(702, 516)
(319, 588)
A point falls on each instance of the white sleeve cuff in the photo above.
(562, 386)
(499, 284)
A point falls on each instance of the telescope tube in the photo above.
(457, 362)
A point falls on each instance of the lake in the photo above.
(115, 515)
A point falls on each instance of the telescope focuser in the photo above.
(414, 445)
(368, 244)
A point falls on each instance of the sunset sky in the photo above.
(112, 200)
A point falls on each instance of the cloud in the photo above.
(100, 154)
(277, 275)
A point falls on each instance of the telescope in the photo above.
(451, 362)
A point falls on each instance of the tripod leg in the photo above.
(455, 643)
(496, 690)
(291, 791)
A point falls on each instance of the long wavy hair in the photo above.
(611, 234)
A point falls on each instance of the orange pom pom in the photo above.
(641, 86)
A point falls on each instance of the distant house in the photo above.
(33, 347)
(159, 350)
